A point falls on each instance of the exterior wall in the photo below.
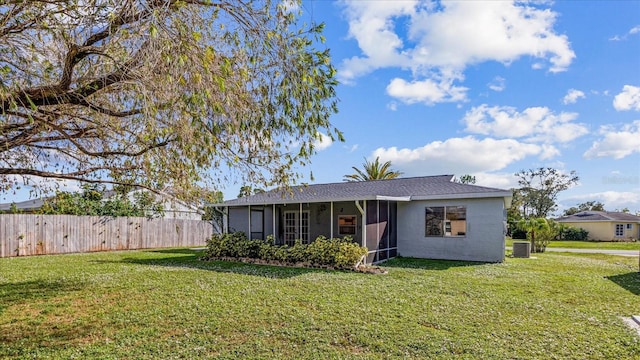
(483, 240)
(606, 230)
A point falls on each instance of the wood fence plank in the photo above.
(28, 234)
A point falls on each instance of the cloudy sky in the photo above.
(488, 88)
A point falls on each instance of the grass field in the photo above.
(167, 304)
(605, 245)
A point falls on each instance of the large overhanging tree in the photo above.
(160, 93)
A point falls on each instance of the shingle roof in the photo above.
(414, 188)
(587, 216)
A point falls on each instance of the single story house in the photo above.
(172, 207)
(426, 217)
(605, 225)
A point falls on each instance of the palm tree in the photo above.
(533, 226)
(373, 171)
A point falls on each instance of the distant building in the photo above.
(605, 225)
(172, 207)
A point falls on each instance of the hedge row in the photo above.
(338, 253)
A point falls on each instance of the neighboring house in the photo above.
(27, 206)
(426, 217)
(172, 208)
(605, 225)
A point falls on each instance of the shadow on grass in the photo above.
(629, 281)
(24, 292)
(427, 264)
(237, 267)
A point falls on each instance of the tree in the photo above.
(373, 171)
(539, 189)
(247, 190)
(585, 206)
(92, 201)
(465, 179)
(539, 231)
(160, 93)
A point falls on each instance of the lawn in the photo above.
(604, 245)
(167, 304)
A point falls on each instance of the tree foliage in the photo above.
(373, 170)
(95, 201)
(540, 232)
(465, 179)
(585, 206)
(157, 94)
(539, 190)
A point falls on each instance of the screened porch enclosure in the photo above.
(370, 223)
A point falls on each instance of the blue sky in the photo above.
(485, 88)
(488, 89)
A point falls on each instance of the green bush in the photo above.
(577, 234)
(338, 253)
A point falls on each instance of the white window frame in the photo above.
(619, 230)
(299, 229)
(629, 226)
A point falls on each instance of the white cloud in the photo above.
(497, 180)
(322, 142)
(497, 84)
(616, 143)
(634, 30)
(572, 96)
(426, 91)
(459, 155)
(443, 40)
(532, 124)
(628, 99)
(393, 106)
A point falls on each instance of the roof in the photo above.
(27, 205)
(589, 216)
(399, 189)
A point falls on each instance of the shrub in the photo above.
(577, 234)
(338, 253)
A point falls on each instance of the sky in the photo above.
(487, 88)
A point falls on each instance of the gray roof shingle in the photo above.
(586, 216)
(413, 188)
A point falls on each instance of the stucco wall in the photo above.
(484, 239)
(605, 230)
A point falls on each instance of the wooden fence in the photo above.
(23, 235)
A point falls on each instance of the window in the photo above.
(619, 230)
(347, 224)
(629, 226)
(296, 226)
(446, 221)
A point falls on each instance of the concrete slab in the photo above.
(633, 323)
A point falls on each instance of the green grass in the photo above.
(604, 245)
(167, 304)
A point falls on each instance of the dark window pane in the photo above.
(434, 219)
(382, 255)
(393, 253)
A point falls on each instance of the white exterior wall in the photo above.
(484, 239)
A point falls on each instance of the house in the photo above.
(426, 217)
(605, 225)
(172, 208)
